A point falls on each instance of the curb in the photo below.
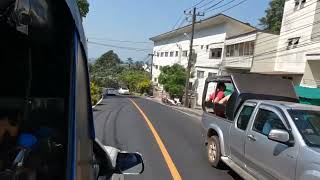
(98, 102)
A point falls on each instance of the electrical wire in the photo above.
(213, 5)
(119, 47)
(122, 41)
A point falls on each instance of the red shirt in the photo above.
(220, 95)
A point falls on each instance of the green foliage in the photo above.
(95, 93)
(105, 70)
(173, 79)
(83, 7)
(135, 80)
(273, 18)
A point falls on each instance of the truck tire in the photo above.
(213, 151)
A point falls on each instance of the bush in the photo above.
(96, 92)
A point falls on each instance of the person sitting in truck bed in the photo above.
(215, 97)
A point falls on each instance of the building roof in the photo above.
(202, 24)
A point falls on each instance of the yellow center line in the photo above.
(173, 170)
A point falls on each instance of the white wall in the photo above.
(295, 24)
(265, 52)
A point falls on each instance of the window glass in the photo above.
(162, 54)
(177, 53)
(84, 142)
(211, 74)
(215, 53)
(231, 50)
(266, 121)
(236, 50)
(185, 53)
(246, 48)
(244, 117)
(171, 54)
(166, 54)
(200, 74)
(308, 124)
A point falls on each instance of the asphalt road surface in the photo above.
(170, 141)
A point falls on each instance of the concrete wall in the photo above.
(295, 24)
(311, 77)
(265, 52)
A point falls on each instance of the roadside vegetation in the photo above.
(109, 71)
(173, 80)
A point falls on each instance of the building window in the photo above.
(155, 80)
(177, 53)
(210, 74)
(166, 54)
(303, 2)
(215, 53)
(171, 54)
(240, 49)
(158, 54)
(299, 4)
(201, 46)
(184, 53)
(161, 54)
(293, 43)
(207, 47)
(200, 74)
(156, 66)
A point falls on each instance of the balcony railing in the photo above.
(242, 62)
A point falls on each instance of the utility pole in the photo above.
(194, 19)
(151, 65)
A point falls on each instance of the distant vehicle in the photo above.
(47, 127)
(111, 91)
(266, 133)
(123, 91)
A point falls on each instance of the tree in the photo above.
(135, 80)
(173, 79)
(83, 7)
(273, 18)
(106, 69)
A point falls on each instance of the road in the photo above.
(119, 123)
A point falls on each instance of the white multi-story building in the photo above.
(297, 56)
(209, 42)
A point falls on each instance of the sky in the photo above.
(111, 21)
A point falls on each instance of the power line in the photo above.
(119, 47)
(221, 6)
(213, 5)
(241, 2)
(123, 41)
(195, 5)
(206, 4)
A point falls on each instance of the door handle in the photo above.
(251, 137)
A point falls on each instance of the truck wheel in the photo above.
(213, 151)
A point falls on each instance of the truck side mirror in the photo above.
(129, 163)
(279, 135)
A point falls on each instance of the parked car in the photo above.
(51, 132)
(123, 91)
(111, 91)
(266, 133)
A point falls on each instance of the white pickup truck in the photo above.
(265, 133)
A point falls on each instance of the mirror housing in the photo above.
(129, 163)
(279, 135)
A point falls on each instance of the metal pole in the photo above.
(190, 59)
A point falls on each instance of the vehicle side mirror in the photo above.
(129, 163)
(279, 135)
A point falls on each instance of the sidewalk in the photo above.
(196, 112)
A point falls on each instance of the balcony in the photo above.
(240, 62)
